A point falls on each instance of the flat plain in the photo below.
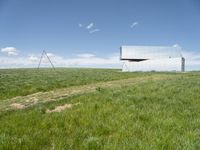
(98, 109)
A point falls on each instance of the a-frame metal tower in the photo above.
(45, 54)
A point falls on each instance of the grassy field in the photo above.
(16, 82)
(126, 111)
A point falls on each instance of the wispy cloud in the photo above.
(80, 25)
(85, 55)
(33, 58)
(91, 60)
(51, 55)
(93, 31)
(134, 24)
(10, 51)
(90, 26)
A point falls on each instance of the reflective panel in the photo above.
(149, 52)
(173, 64)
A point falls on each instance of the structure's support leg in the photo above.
(40, 59)
(182, 64)
(124, 64)
(49, 60)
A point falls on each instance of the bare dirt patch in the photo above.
(17, 106)
(56, 95)
(61, 108)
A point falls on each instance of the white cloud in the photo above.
(192, 58)
(94, 61)
(177, 45)
(134, 24)
(10, 51)
(80, 25)
(80, 60)
(33, 58)
(86, 55)
(85, 60)
(90, 26)
(51, 55)
(93, 31)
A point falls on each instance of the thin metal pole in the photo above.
(49, 60)
(40, 59)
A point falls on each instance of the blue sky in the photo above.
(82, 29)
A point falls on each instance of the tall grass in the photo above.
(153, 115)
(20, 82)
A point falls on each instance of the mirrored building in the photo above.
(152, 58)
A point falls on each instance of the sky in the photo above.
(89, 33)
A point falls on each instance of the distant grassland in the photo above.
(155, 114)
(17, 82)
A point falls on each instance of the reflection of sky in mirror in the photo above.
(150, 52)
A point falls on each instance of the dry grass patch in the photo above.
(43, 97)
(17, 106)
(62, 107)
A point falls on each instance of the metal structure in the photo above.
(183, 64)
(152, 58)
(42, 55)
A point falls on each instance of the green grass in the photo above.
(163, 114)
(20, 82)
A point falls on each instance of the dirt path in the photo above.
(22, 102)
